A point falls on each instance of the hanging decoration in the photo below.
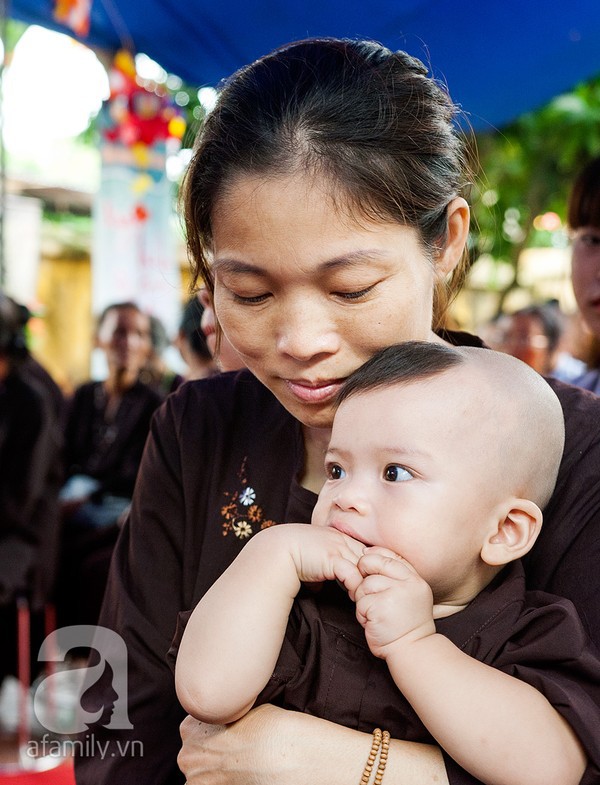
(136, 116)
(134, 249)
(74, 14)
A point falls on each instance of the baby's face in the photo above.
(407, 469)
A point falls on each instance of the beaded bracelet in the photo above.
(377, 736)
(383, 756)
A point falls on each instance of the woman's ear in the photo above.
(515, 534)
(458, 218)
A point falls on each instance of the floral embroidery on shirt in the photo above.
(240, 515)
(242, 529)
(247, 496)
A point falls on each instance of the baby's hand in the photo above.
(318, 553)
(393, 603)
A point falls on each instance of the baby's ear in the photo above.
(515, 533)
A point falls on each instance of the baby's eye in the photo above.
(396, 473)
(334, 471)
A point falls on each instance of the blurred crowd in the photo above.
(552, 342)
(69, 464)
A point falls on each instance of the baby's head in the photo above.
(446, 456)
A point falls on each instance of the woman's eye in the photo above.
(335, 471)
(396, 473)
(251, 300)
(355, 295)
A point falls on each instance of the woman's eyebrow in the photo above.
(230, 265)
(352, 259)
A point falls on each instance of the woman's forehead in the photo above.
(247, 191)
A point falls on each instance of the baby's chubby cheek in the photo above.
(321, 511)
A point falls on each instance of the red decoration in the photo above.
(75, 14)
(141, 213)
(135, 115)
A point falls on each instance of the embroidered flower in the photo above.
(242, 529)
(254, 513)
(241, 515)
(247, 496)
(228, 510)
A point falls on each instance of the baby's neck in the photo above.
(443, 610)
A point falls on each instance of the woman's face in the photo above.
(307, 294)
(585, 275)
(124, 335)
(525, 339)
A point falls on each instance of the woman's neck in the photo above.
(119, 380)
(316, 441)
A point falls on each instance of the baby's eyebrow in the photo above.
(387, 452)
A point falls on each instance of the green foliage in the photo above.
(11, 32)
(528, 168)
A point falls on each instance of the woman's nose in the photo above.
(306, 331)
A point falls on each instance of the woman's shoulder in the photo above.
(588, 380)
(85, 393)
(581, 409)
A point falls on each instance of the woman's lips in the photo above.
(314, 392)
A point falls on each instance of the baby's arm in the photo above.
(231, 642)
(500, 729)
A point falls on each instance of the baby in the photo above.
(440, 462)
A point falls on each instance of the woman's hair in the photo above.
(126, 305)
(369, 120)
(584, 202)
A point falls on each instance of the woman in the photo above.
(108, 421)
(107, 426)
(324, 210)
(584, 222)
(532, 335)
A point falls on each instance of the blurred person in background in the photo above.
(157, 372)
(532, 335)
(583, 218)
(223, 352)
(192, 342)
(572, 350)
(30, 478)
(107, 425)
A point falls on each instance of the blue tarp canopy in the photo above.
(500, 58)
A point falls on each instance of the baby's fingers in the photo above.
(384, 562)
(347, 573)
